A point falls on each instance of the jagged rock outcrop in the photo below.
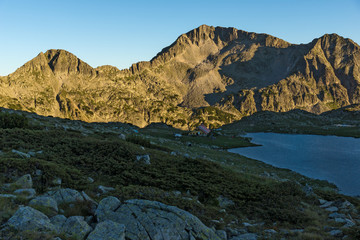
(145, 219)
(233, 71)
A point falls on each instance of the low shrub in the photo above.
(12, 120)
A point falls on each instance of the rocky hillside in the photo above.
(63, 179)
(211, 74)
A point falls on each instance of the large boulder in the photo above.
(106, 207)
(153, 220)
(46, 204)
(27, 193)
(108, 230)
(58, 221)
(29, 219)
(65, 195)
(24, 181)
(75, 227)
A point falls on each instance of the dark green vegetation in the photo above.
(215, 140)
(199, 173)
(342, 122)
(12, 120)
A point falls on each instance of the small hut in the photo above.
(202, 130)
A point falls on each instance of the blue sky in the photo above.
(120, 33)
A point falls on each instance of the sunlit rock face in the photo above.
(210, 75)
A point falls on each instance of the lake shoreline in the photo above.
(314, 156)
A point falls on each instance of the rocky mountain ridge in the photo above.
(210, 75)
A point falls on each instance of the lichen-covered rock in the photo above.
(145, 159)
(21, 154)
(45, 202)
(108, 230)
(76, 227)
(105, 190)
(25, 181)
(65, 195)
(106, 207)
(29, 219)
(58, 221)
(145, 219)
(4, 195)
(225, 202)
(27, 193)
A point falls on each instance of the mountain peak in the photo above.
(62, 61)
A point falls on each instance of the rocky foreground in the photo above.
(73, 180)
(108, 219)
(42, 217)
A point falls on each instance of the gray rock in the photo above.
(46, 203)
(106, 207)
(76, 227)
(21, 154)
(176, 193)
(33, 153)
(145, 159)
(348, 224)
(90, 180)
(337, 215)
(105, 190)
(297, 230)
(27, 193)
(57, 181)
(4, 195)
(108, 230)
(25, 181)
(322, 201)
(65, 195)
(336, 233)
(248, 224)
(122, 136)
(245, 236)
(326, 205)
(270, 231)
(38, 172)
(58, 221)
(173, 154)
(308, 190)
(222, 234)
(332, 209)
(225, 202)
(340, 220)
(145, 219)
(29, 219)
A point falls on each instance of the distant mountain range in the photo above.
(210, 75)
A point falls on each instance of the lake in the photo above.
(332, 158)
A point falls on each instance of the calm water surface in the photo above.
(332, 158)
